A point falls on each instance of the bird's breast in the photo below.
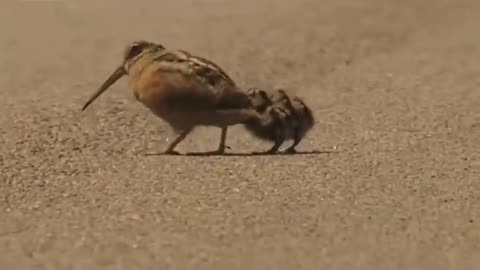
(165, 91)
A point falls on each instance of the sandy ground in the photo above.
(395, 89)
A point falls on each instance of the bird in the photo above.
(301, 117)
(284, 117)
(182, 89)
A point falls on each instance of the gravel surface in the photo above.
(395, 89)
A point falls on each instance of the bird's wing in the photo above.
(214, 78)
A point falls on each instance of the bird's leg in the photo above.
(223, 138)
(177, 140)
(296, 140)
(224, 119)
(275, 147)
(279, 135)
(279, 139)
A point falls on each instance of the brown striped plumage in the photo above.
(283, 118)
(184, 90)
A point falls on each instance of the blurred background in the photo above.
(394, 87)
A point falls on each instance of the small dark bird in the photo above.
(283, 117)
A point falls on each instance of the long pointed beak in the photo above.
(116, 75)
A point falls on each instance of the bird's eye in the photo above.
(133, 51)
(263, 94)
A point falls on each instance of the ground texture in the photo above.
(395, 89)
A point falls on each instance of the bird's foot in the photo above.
(289, 151)
(171, 152)
(220, 150)
(271, 151)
